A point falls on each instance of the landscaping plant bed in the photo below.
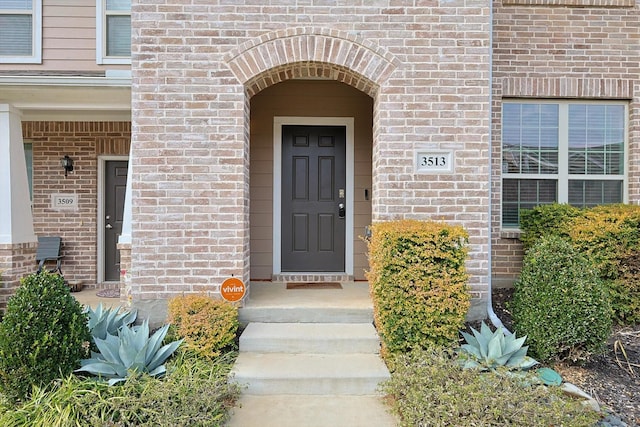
(613, 379)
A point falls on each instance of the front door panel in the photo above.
(313, 193)
(115, 187)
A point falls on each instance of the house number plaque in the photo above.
(434, 161)
(64, 201)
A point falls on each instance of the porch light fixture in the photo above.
(67, 164)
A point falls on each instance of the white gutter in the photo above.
(69, 81)
(492, 315)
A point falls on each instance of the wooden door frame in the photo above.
(348, 123)
(102, 170)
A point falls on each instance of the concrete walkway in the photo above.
(309, 357)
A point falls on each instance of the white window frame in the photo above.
(36, 36)
(563, 177)
(101, 37)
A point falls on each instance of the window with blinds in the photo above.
(567, 152)
(20, 31)
(114, 32)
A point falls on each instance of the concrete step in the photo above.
(311, 411)
(309, 374)
(267, 314)
(320, 338)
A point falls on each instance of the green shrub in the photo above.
(195, 392)
(560, 303)
(554, 219)
(625, 291)
(43, 335)
(610, 237)
(207, 325)
(418, 284)
(429, 389)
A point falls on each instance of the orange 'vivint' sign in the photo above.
(232, 289)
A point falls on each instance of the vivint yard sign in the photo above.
(233, 289)
(434, 161)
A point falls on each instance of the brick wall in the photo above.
(83, 142)
(548, 49)
(196, 66)
(16, 261)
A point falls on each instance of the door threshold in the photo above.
(312, 277)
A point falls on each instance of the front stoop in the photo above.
(320, 338)
(311, 411)
(325, 374)
(310, 374)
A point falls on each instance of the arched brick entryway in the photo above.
(311, 55)
(310, 52)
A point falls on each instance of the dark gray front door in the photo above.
(115, 185)
(313, 198)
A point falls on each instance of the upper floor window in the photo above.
(113, 40)
(566, 152)
(21, 31)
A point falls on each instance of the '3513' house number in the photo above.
(434, 161)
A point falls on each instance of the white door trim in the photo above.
(278, 122)
(102, 163)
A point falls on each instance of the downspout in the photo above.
(492, 315)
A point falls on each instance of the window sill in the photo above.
(510, 233)
(114, 61)
(20, 60)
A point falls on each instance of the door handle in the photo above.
(108, 226)
(341, 210)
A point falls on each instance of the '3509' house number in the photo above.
(64, 201)
(434, 161)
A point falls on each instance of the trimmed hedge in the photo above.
(43, 335)
(418, 283)
(560, 304)
(208, 325)
(608, 235)
(544, 220)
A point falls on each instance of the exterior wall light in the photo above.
(67, 164)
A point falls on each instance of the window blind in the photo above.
(16, 35)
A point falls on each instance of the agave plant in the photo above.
(105, 321)
(131, 352)
(490, 350)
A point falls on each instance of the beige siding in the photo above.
(68, 39)
(313, 99)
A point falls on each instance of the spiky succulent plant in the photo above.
(105, 321)
(490, 350)
(131, 352)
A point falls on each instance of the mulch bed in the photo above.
(613, 379)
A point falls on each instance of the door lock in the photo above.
(108, 226)
(341, 212)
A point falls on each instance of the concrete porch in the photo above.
(273, 302)
(309, 357)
